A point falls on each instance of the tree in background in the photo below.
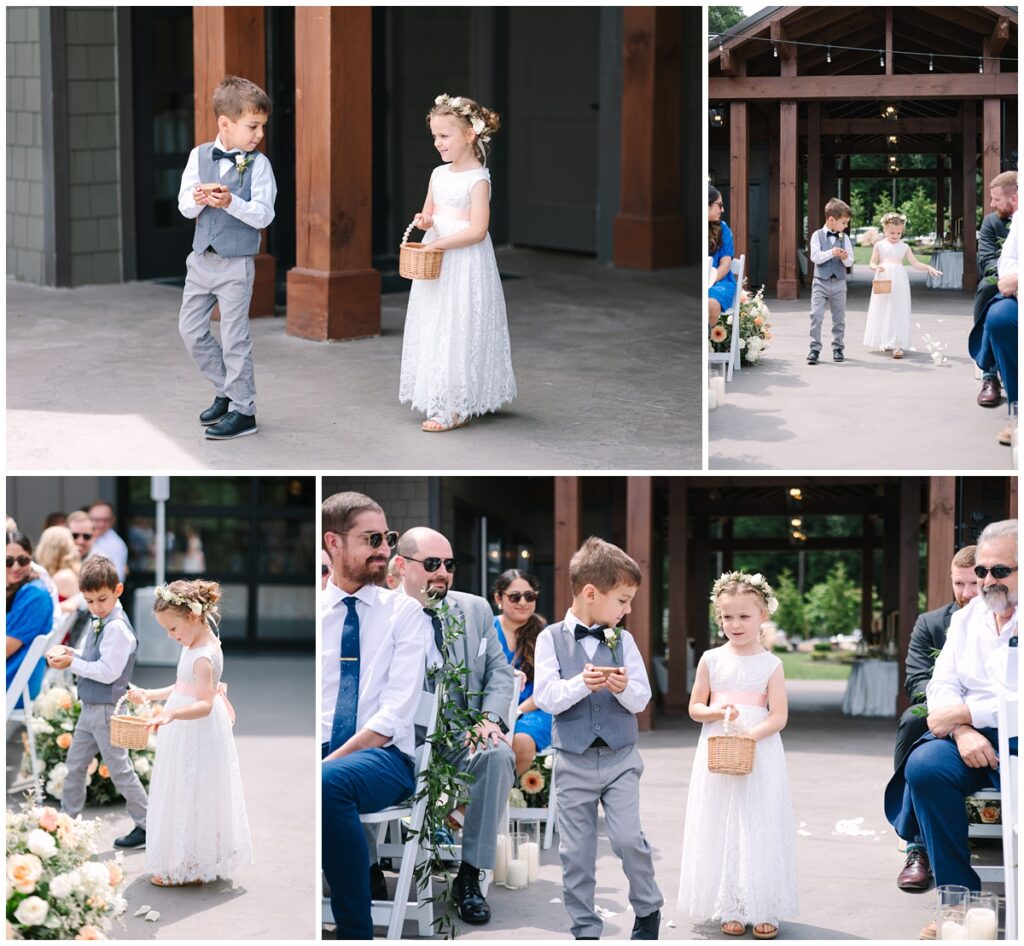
(833, 606)
(721, 18)
(790, 614)
(920, 213)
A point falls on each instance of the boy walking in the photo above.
(229, 186)
(591, 677)
(103, 665)
(831, 252)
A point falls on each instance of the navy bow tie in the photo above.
(582, 631)
(230, 155)
(833, 235)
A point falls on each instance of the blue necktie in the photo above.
(344, 726)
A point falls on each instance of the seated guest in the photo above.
(926, 640)
(723, 287)
(29, 610)
(57, 553)
(518, 624)
(957, 757)
(80, 524)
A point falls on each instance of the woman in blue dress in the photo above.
(723, 290)
(29, 610)
(518, 626)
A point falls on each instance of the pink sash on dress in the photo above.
(443, 210)
(741, 697)
(189, 689)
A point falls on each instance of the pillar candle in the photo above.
(951, 930)
(501, 859)
(531, 850)
(980, 923)
(518, 874)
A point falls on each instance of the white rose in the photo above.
(441, 98)
(95, 876)
(42, 843)
(31, 911)
(478, 125)
(41, 726)
(141, 765)
(61, 886)
(743, 343)
(195, 607)
(456, 102)
(773, 605)
(55, 783)
(757, 579)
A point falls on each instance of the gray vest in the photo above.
(834, 266)
(598, 715)
(216, 227)
(90, 691)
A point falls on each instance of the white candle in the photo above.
(501, 859)
(712, 398)
(518, 874)
(951, 930)
(532, 852)
(718, 383)
(980, 923)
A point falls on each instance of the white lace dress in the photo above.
(739, 840)
(456, 359)
(888, 324)
(196, 826)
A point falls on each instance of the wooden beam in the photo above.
(918, 86)
(787, 286)
(728, 63)
(678, 697)
(739, 161)
(779, 37)
(885, 174)
(909, 565)
(888, 41)
(879, 126)
(1012, 486)
(940, 202)
(773, 195)
(568, 517)
(970, 170)
(941, 537)
(814, 543)
(972, 22)
(998, 37)
(814, 195)
(639, 544)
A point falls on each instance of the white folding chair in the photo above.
(64, 631)
(19, 689)
(1009, 725)
(731, 358)
(391, 823)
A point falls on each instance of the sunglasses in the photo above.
(22, 560)
(433, 563)
(325, 570)
(81, 535)
(375, 538)
(998, 571)
(516, 596)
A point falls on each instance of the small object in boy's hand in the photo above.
(607, 671)
(212, 188)
(56, 651)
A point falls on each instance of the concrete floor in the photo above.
(278, 753)
(868, 413)
(607, 363)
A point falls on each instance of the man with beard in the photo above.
(426, 565)
(82, 531)
(372, 660)
(957, 757)
(928, 637)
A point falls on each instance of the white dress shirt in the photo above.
(555, 695)
(257, 212)
(112, 546)
(1008, 257)
(116, 646)
(819, 256)
(974, 665)
(391, 644)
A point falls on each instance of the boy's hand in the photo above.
(199, 195)
(594, 679)
(842, 254)
(618, 681)
(219, 199)
(58, 657)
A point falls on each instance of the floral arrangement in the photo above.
(55, 889)
(756, 582)
(983, 810)
(753, 324)
(461, 107)
(54, 714)
(533, 787)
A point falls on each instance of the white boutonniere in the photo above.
(97, 625)
(242, 162)
(612, 636)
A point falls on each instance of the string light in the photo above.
(881, 58)
(981, 65)
(828, 54)
(775, 51)
(931, 63)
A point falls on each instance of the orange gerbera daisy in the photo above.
(718, 334)
(531, 782)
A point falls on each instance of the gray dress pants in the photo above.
(831, 292)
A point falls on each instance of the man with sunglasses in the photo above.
(957, 757)
(427, 566)
(372, 659)
(82, 531)
(105, 540)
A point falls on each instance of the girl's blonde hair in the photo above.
(196, 597)
(740, 583)
(472, 115)
(894, 216)
(57, 550)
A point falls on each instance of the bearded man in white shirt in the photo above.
(957, 757)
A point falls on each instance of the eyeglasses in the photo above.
(22, 560)
(718, 203)
(998, 571)
(375, 538)
(516, 596)
(81, 535)
(325, 570)
(433, 563)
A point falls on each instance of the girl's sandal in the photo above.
(765, 931)
(158, 881)
(733, 932)
(432, 426)
(897, 353)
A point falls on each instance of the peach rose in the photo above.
(23, 870)
(90, 932)
(116, 874)
(64, 740)
(65, 701)
(104, 771)
(989, 814)
(48, 819)
(758, 320)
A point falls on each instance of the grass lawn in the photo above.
(801, 667)
(862, 254)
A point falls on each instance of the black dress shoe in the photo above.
(134, 838)
(231, 425)
(473, 907)
(646, 927)
(989, 396)
(837, 354)
(812, 357)
(215, 411)
(378, 885)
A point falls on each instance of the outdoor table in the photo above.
(951, 264)
(872, 688)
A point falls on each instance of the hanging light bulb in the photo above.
(721, 47)
(981, 65)
(775, 51)
(931, 63)
(881, 58)
(828, 53)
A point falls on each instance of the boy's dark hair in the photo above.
(235, 96)
(838, 208)
(98, 572)
(602, 565)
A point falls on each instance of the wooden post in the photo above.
(787, 286)
(773, 195)
(678, 697)
(970, 185)
(568, 514)
(990, 115)
(1011, 497)
(699, 583)
(941, 537)
(333, 291)
(230, 41)
(867, 575)
(814, 199)
(940, 197)
(888, 41)
(648, 232)
(739, 161)
(909, 564)
(639, 544)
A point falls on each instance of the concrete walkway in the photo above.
(607, 363)
(276, 739)
(868, 413)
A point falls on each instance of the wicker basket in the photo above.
(881, 286)
(731, 754)
(128, 732)
(418, 260)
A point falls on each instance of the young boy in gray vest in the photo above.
(590, 676)
(229, 186)
(831, 252)
(103, 664)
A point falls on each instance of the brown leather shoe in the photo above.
(917, 873)
(990, 395)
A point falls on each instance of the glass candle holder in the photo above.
(981, 920)
(951, 911)
(531, 849)
(518, 873)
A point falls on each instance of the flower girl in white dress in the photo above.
(888, 326)
(456, 361)
(197, 830)
(739, 842)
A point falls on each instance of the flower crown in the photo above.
(165, 593)
(756, 583)
(893, 216)
(461, 107)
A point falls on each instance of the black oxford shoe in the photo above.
(134, 838)
(232, 425)
(646, 927)
(215, 411)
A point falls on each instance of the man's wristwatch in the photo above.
(496, 719)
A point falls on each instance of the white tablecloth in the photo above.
(951, 264)
(872, 688)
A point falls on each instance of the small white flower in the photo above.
(478, 125)
(31, 911)
(240, 161)
(757, 579)
(95, 876)
(195, 607)
(61, 886)
(743, 343)
(456, 102)
(609, 634)
(141, 765)
(441, 99)
(42, 843)
(773, 605)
